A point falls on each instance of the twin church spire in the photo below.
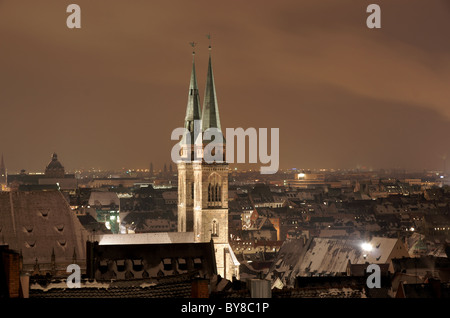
(203, 183)
(210, 113)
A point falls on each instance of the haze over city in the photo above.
(238, 152)
(108, 95)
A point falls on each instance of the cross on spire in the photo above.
(209, 38)
(193, 44)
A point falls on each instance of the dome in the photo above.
(55, 164)
(54, 168)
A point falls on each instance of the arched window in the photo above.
(214, 190)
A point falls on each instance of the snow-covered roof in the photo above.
(329, 256)
(40, 223)
(145, 238)
(103, 198)
(381, 248)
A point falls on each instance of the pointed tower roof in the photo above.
(210, 115)
(193, 110)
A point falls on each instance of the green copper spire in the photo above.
(210, 114)
(193, 111)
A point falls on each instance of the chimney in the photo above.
(91, 255)
(200, 288)
(260, 288)
(11, 265)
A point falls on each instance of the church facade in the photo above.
(202, 185)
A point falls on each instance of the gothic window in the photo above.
(214, 190)
(192, 190)
(217, 193)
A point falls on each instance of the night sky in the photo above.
(108, 95)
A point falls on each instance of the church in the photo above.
(47, 235)
(202, 189)
(203, 186)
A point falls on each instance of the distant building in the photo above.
(307, 180)
(107, 208)
(54, 175)
(54, 169)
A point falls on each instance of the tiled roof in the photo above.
(39, 222)
(136, 289)
(320, 292)
(140, 261)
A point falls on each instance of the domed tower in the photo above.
(54, 169)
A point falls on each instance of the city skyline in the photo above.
(108, 95)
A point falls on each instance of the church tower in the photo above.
(185, 172)
(3, 175)
(211, 178)
(211, 184)
(203, 176)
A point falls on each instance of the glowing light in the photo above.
(366, 247)
(301, 175)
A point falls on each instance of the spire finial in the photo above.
(209, 38)
(193, 44)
